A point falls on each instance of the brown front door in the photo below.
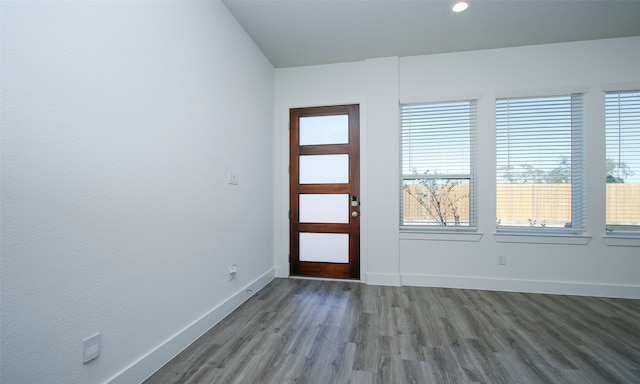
(325, 191)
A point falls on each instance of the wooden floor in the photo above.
(304, 331)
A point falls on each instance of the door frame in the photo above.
(355, 254)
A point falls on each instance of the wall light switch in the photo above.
(91, 348)
(233, 178)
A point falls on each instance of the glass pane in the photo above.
(437, 138)
(533, 205)
(623, 204)
(324, 208)
(539, 164)
(623, 160)
(439, 202)
(324, 247)
(324, 169)
(324, 130)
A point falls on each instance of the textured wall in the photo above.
(120, 123)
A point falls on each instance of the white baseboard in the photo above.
(528, 286)
(391, 279)
(154, 360)
(282, 272)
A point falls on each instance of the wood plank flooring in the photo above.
(306, 331)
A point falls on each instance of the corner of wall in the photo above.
(388, 279)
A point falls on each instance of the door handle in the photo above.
(354, 214)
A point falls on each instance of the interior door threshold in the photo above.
(324, 279)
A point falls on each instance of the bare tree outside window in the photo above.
(442, 201)
(618, 172)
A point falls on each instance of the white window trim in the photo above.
(507, 234)
(453, 97)
(620, 87)
(622, 239)
(413, 234)
(542, 238)
(616, 235)
(545, 92)
(454, 233)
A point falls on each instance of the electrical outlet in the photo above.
(91, 348)
(502, 260)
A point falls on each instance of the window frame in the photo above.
(515, 233)
(471, 176)
(613, 231)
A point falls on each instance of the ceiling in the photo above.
(309, 32)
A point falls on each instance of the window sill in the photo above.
(631, 240)
(539, 238)
(440, 235)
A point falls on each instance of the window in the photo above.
(623, 160)
(539, 160)
(438, 165)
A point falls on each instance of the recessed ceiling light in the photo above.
(460, 6)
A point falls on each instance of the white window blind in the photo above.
(623, 160)
(438, 165)
(539, 160)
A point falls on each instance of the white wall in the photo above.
(595, 268)
(305, 87)
(120, 122)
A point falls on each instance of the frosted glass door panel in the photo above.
(324, 130)
(315, 208)
(324, 247)
(324, 169)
